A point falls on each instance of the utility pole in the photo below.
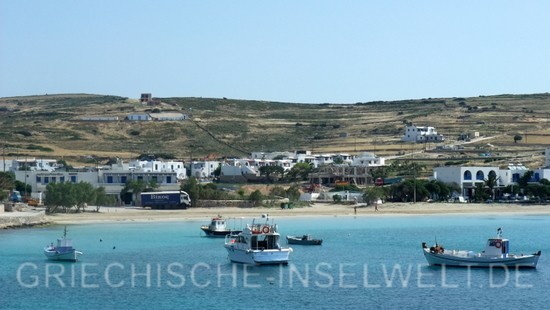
(4, 156)
(414, 176)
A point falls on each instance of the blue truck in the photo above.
(165, 200)
(15, 196)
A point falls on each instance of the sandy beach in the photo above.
(129, 214)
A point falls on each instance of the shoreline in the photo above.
(136, 214)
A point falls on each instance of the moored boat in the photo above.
(304, 240)
(218, 228)
(63, 251)
(496, 254)
(257, 244)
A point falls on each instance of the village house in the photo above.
(421, 134)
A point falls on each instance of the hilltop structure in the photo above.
(421, 134)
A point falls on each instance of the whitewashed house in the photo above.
(204, 169)
(421, 134)
(34, 164)
(368, 160)
(468, 177)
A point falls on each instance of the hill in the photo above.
(50, 126)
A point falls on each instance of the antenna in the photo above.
(435, 236)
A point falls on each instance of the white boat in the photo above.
(257, 244)
(218, 228)
(63, 251)
(496, 254)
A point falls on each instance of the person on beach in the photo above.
(375, 206)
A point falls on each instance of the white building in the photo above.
(419, 134)
(204, 169)
(168, 116)
(468, 177)
(167, 175)
(34, 164)
(368, 160)
(139, 117)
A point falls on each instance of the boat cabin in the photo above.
(217, 223)
(497, 247)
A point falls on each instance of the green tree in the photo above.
(102, 199)
(268, 171)
(438, 190)
(517, 138)
(300, 170)
(525, 178)
(7, 180)
(256, 197)
(218, 171)
(23, 188)
(293, 192)
(136, 187)
(479, 193)
(491, 183)
(240, 192)
(62, 195)
(373, 194)
(192, 188)
(83, 193)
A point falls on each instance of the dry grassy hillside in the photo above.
(51, 126)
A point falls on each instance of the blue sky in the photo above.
(286, 50)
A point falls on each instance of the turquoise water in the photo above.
(364, 262)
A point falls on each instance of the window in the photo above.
(109, 179)
(169, 179)
(46, 180)
(38, 179)
(480, 175)
(123, 179)
(467, 175)
(62, 179)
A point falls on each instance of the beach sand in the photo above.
(122, 214)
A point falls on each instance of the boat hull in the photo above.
(218, 233)
(259, 257)
(522, 261)
(71, 256)
(291, 240)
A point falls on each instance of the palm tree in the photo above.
(491, 182)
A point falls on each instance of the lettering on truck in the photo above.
(160, 197)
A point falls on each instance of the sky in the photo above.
(310, 51)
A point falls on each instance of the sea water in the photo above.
(364, 263)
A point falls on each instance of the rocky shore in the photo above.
(24, 218)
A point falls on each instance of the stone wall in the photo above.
(224, 203)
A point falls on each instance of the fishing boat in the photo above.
(303, 240)
(63, 251)
(257, 244)
(218, 228)
(496, 254)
